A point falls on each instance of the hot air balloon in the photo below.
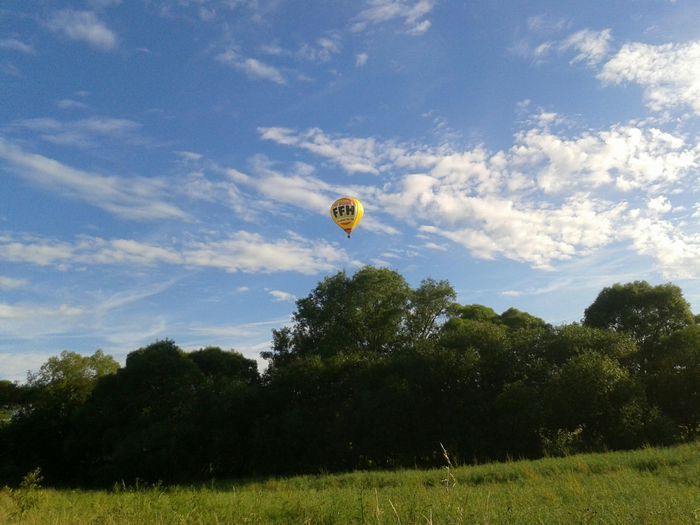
(347, 213)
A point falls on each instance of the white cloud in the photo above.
(361, 59)
(353, 155)
(592, 46)
(261, 328)
(35, 251)
(135, 198)
(626, 157)
(548, 198)
(381, 11)
(251, 67)
(189, 156)
(659, 205)
(669, 73)
(280, 296)
(302, 189)
(322, 50)
(256, 69)
(534, 234)
(16, 312)
(68, 103)
(545, 24)
(251, 253)
(236, 252)
(10, 283)
(83, 26)
(676, 253)
(81, 133)
(13, 44)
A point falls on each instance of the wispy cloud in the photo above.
(15, 312)
(13, 44)
(320, 51)
(134, 198)
(83, 26)
(591, 46)
(10, 283)
(67, 103)
(355, 155)
(252, 67)
(251, 253)
(281, 296)
(82, 133)
(236, 252)
(413, 15)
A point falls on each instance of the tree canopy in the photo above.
(371, 373)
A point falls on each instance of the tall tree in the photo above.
(644, 311)
(52, 398)
(674, 382)
(428, 305)
(373, 311)
(139, 422)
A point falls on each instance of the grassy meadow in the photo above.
(654, 485)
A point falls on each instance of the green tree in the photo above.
(51, 399)
(518, 320)
(216, 364)
(644, 311)
(675, 381)
(595, 398)
(474, 312)
(374, 311)
(428, 305)
(571, 340)
(10, 397)
(226, 407)
(65, 382)
(139, 422)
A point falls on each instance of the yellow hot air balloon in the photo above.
(347, 213)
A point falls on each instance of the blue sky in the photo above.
(166, 166)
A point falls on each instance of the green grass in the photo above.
(655, 485)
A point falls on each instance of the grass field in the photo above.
(660, 486)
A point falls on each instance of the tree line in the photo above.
(371, 373)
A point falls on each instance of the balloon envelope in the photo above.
(347, 213)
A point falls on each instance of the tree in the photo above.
(430, 302)
(474, 312)
(65, 382)
(645, 312)
(217, 364)
(139, 422)
(675, 379)
(52, 398)
(569, 341)
(373, 311)
(589, 397)
(10, 396)
(518, 320)
(226, 407)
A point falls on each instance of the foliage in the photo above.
(675, 380)
(370, 374)
(373, 311)
(641, 310)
